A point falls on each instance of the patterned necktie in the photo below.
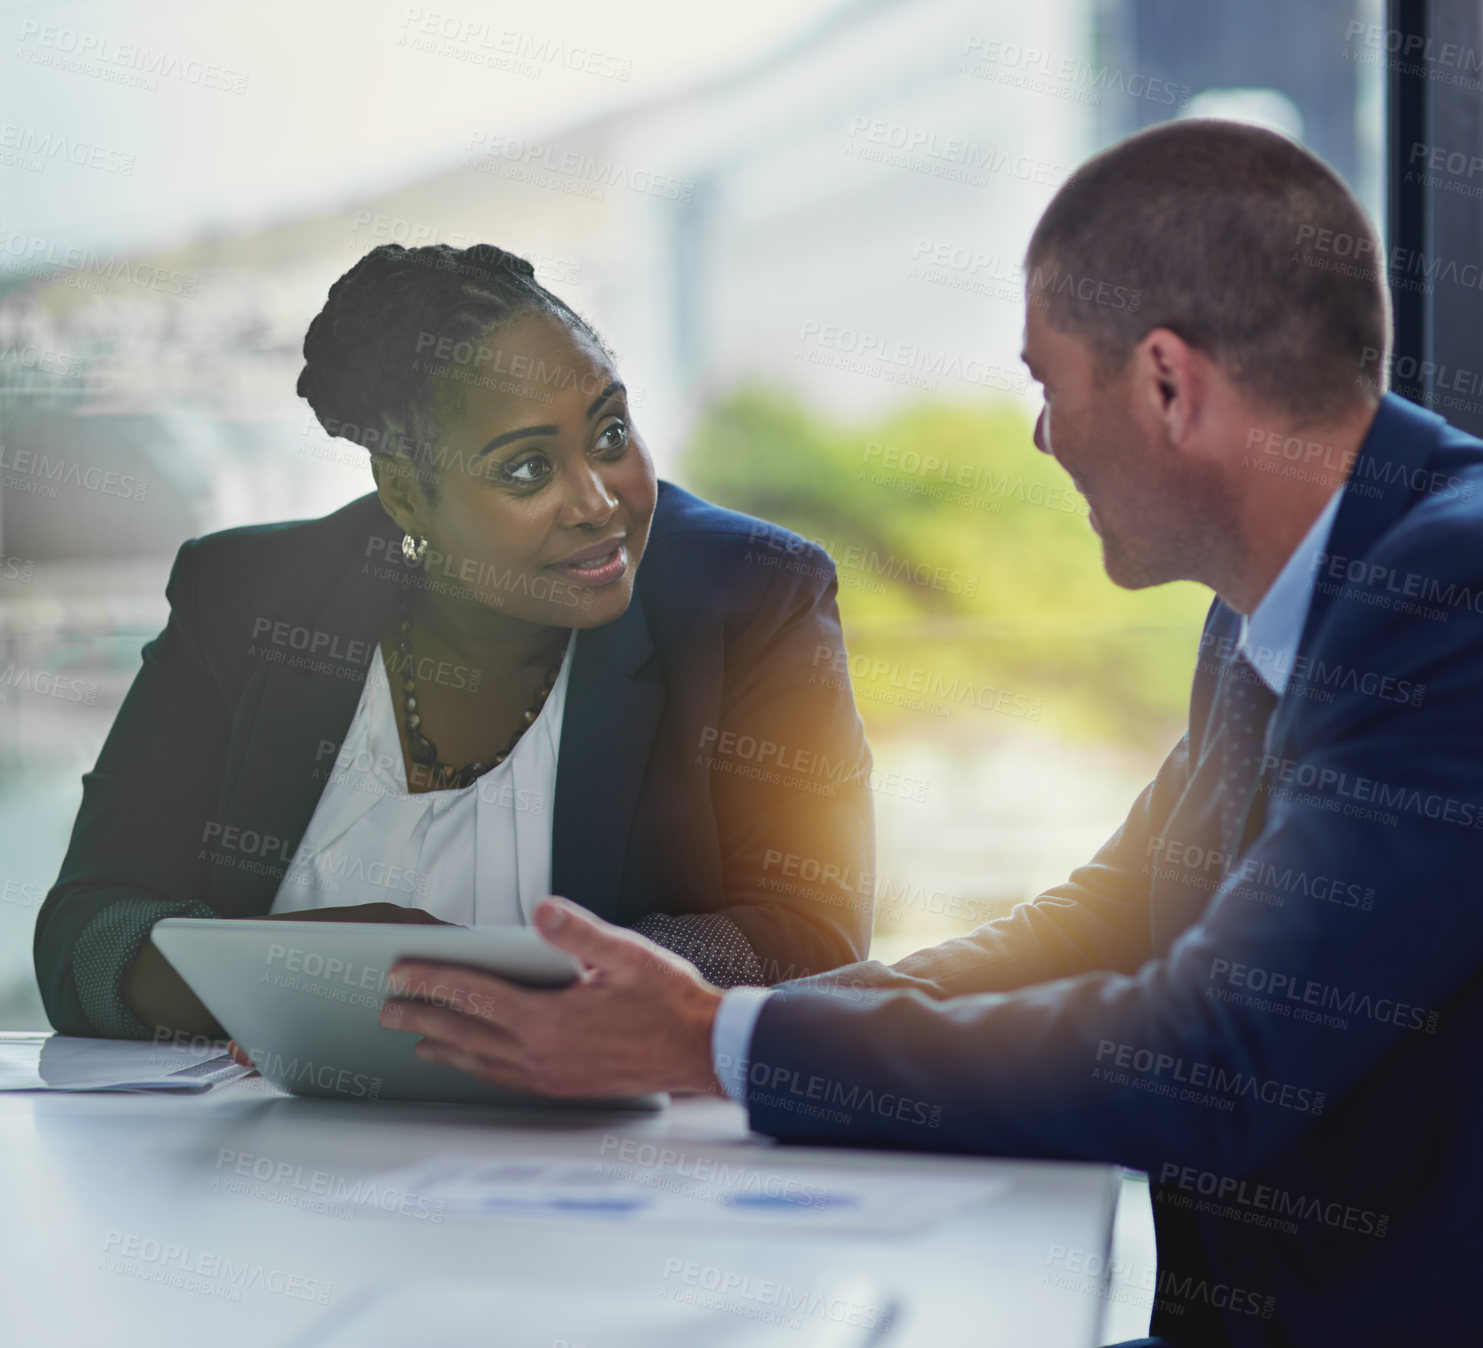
(1248, 704)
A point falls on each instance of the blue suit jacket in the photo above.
(225, 729)
(1287, 1039)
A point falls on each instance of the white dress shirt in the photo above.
(1269, 640)
(479, 855)
(1270, 637)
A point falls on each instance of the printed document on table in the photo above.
(59, 1062)
(690, 1191)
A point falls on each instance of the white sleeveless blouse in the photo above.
(478, 856)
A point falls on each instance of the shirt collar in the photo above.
(1270, 637)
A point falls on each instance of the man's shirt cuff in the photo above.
(731, 1038)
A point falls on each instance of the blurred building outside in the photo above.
(839, 218)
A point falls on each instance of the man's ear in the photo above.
(1170, 383)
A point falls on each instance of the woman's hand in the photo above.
(352, 912)
(638, 1020)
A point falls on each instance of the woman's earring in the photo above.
(413, 551)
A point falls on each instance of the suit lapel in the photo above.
(302, 712)
(614, 702)
(1400, 441)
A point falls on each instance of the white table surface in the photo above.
(80, 1175)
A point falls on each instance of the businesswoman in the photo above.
(519, 666)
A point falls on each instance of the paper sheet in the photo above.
(58, 1062)
(692, 1191)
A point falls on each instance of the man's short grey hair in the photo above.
(1238, 239)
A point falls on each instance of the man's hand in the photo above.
(638, 1020)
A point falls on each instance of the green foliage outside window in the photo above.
(969, 578)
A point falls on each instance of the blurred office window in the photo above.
(802, 238)
(1434, 75)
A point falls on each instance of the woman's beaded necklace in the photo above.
(444, 775)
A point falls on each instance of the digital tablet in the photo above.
(303, 1000)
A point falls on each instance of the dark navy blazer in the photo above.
(1288, 1040)
(665, 802)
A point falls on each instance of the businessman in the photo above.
(1265, 989)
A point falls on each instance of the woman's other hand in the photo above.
(161, 997)
(350, 912)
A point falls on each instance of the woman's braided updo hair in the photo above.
(395, 321)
